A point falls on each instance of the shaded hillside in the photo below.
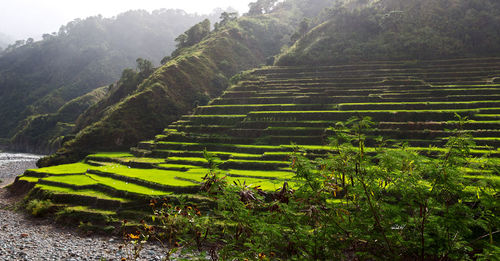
(40, 77)
(395, 29)
(45, 132)
(197, 74)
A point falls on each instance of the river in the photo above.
(14, 164)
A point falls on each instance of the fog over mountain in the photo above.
(5, 40)
(23, 19)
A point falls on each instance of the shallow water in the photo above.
(14, 164)
(6, 157)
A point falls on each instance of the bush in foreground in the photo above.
(392, 205)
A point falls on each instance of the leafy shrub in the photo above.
(396, 204)
(392, 205)
(39, 208)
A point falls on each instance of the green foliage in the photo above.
(261, 6)
(39, 208)
(145, 67)
(193, 35)
(225, 18)
(177, 226)
(193, 76)
(45, 133)
(400, 204)
(391, 205)
(38, 77)
(303, 28)
(377, 30)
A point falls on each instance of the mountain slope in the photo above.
(40, 77)
(395, 29)
(46, 132)
(196, 75)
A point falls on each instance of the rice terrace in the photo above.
(355, 140)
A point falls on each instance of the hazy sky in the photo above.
(21, 19)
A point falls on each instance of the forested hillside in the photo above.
(38, 77)
(46, 132)
(199, 70)
(319, 32)
(399, 29)
(198, 74)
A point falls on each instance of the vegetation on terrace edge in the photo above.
(393, 204)
(449, 202)
(195, 74)
(38, 77)
(102, 182)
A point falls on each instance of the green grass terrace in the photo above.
(254, 126)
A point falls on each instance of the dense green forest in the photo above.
(394, 29)
(38, 77)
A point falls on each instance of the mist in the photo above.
(22, 19)
(5, 40)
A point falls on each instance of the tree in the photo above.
(225, 18)
(15, 45)
(303, 28)
(145, 67)
(261, 6)
(255, 8)
(181, 40)
(165, 59)
(194, 34)
(46, 37)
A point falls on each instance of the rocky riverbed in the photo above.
(23, 237)
(26, 238)
(14, 164)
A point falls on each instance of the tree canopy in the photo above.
(194, 34)
(400, 29)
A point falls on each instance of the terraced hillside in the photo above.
(251, 128)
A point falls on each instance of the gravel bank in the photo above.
(26, 238)
(9, 171)
(23, 237)
(12, 165)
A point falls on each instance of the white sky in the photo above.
(21, 19)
